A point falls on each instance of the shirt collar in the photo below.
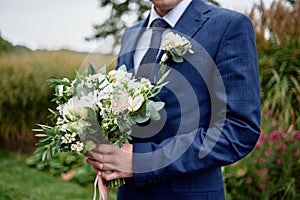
(172, 16)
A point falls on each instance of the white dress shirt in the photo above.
(172, 17)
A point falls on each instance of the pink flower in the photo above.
(261, 186)
(262, 160)
(262, 139)
(296, 153)
(249, 180)
(258, 173)
(270, 113)
(278, 161)
(266, 171)
(241, 172)
(268, 152)
(276, 135)
(282, 148)
(296, 134)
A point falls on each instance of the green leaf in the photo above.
(91, 70)
(177, 59)
(162, 70)
(44, 142)
(141, 118)
(91, 113)
(163, 77)
(78, 77)
(41, 135)
(89, 145)
(158, 105)
(154, 113)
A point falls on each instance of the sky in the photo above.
(55, 24)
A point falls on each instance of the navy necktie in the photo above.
(158, 26)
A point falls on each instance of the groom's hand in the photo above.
(110, 161)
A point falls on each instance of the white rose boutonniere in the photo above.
(175, 46)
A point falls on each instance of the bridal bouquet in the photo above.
(99, 107)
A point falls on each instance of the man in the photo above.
(212, 110)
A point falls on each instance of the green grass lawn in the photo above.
(20, 182)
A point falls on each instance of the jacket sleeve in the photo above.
(236, 128)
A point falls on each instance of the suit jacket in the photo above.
(212, 110)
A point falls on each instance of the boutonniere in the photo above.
(175, 46)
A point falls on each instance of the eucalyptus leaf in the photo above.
(154, 113)
(177, 59)
(158, 105)
(141, 119)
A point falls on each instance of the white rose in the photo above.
(120, 103)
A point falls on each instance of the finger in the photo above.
(97, 165)
(87, 154)
(104, 148)
(95, 156)
(110, 175)
(108, 167)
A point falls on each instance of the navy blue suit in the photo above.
(212, 110)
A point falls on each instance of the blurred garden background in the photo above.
(271, 171)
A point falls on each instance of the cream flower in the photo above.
(68, 138)
(176, 46)
(77, 147)
(74, 109)
(135, 103)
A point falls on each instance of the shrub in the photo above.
(277, 32)
(271, 171)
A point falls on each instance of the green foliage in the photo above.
(6, 46)
(271, 171)
(63, 163)
(20, 182)
(25, 94)
(280, 76)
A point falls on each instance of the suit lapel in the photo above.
(193, 18)
(129, 44)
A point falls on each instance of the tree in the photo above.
(123, 13)
(4, 45)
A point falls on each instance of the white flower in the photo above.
(75, 127)
(60, 108)
(59, 120)
(68, 138)
(77, 147)
(120, 75)
(66, 80)
(60, 89)
(164, 58)
(135, 103)
(74, 109)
